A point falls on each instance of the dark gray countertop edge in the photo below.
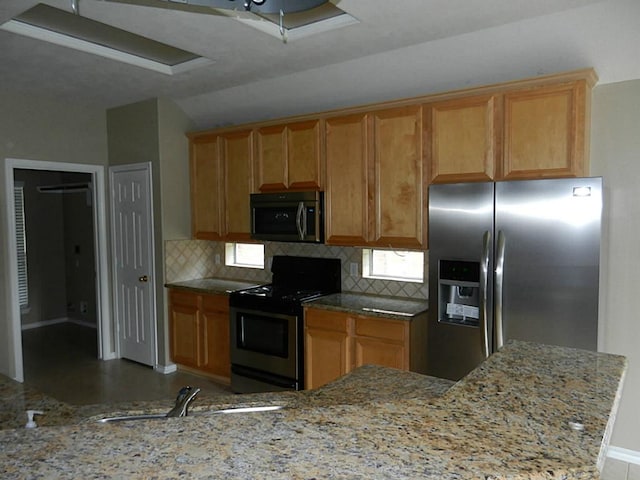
(211, 286)
(397, 308)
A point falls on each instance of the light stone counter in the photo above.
(371, 305)
(510, 418)
(211, 285)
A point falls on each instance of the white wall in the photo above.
(47, 130)
(615, 155)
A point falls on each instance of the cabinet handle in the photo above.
(143, 278)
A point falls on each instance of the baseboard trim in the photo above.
(56, 321)
(166, 369)
(44, 323)
(82, 323)
(624, 454)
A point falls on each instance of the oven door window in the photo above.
(262, 334)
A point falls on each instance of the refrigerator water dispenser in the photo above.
(459, 292)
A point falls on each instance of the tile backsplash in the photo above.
(191, 259)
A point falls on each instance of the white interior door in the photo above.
(133, 254)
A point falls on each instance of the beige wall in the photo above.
(47, 130)
(175, 205)
(615, 155)
(154, 131)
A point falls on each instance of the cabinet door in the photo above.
(206, 188)
(237, 151)
(185, 329)
(545, 131)
(327, 353)
(462, 139)
(382, 342)
(272, 159)
(399, 203)
(215, 323)
(304, 155)
(346, 196)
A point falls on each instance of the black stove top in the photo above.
(295, 280)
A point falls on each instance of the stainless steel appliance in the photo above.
(511, 260)
(288, 216)
(267, 323)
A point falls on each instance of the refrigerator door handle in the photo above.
(499, 285)
(484, 276)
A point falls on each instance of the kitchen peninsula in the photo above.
(529, 411)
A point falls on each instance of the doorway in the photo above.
(93, 177)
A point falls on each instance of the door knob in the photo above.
(143, 278)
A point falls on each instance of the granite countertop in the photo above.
(211, 285)
(510, 418)
(398, 308)
(371, 305)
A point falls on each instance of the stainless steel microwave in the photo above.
(288, 216)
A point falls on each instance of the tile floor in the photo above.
(61, 361)
(618, 470)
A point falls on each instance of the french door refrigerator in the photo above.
(511, 260)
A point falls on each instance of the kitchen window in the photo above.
(398, 265)
(245, 255)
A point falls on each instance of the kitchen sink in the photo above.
(128, 418)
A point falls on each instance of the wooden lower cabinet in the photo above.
(199, 327)
(338, 342)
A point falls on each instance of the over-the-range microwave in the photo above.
(288, 216)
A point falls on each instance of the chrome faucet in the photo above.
(186, 395)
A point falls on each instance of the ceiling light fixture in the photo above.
(71, 30)
(283, 19)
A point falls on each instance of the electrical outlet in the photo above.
(353, 269)
(84, 307)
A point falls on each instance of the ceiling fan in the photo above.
(255, 6)
(71, 29)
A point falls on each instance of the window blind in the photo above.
(21, 242)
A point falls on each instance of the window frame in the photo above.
(370, 270)
(231, 255)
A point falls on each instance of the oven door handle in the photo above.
(301, 220)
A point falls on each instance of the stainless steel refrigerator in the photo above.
(511, 260)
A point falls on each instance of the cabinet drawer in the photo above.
(216, 303)
(326, 320)
(386, 329)
(183, 298)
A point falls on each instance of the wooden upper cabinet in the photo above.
(206, 188)
(347, 165)
(271, 168)
(462, 139)
(399, 203)
(237, 155)
(289, 156)
(546, 131)
(305, 160)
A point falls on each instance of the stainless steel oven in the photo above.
(265, 349)
(266, 323)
